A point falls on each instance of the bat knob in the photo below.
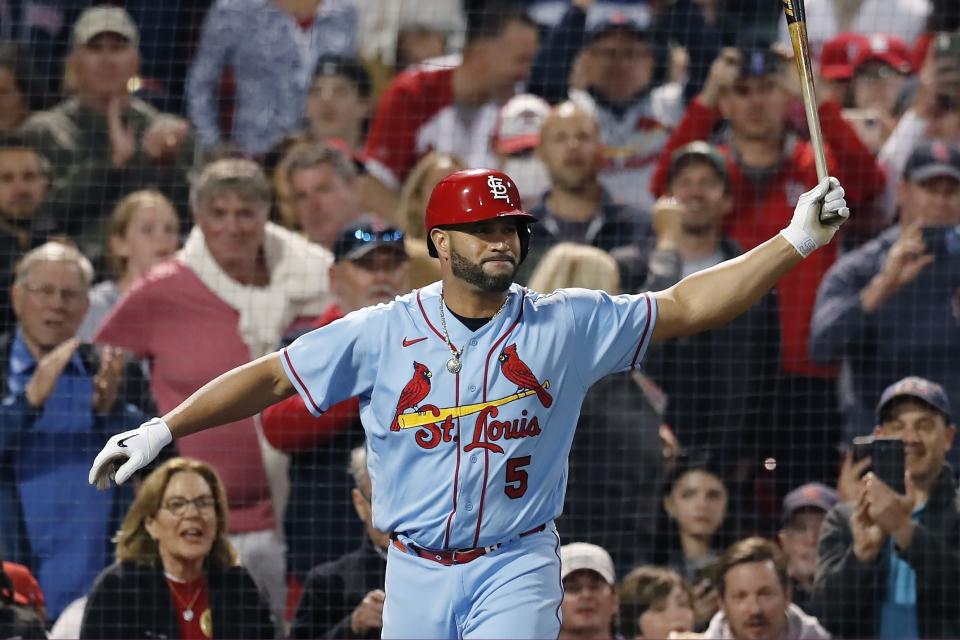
(830, 217)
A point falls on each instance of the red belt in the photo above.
(449, 557)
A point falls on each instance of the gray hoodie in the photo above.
(800, 626)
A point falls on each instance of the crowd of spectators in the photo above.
(187, 186)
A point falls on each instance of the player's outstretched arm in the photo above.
(237, 394)
(715, 296)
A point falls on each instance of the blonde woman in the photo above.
(431, 169)
(176, 574)
(143, 230)
(575, 265)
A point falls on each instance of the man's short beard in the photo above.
(474, 274)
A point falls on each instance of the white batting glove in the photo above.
(805, 231)
(138, 446)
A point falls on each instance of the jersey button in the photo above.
(472, 388)
(473, 343)
(473, 458)
(469, 506)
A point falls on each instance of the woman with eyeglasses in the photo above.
(176, 574)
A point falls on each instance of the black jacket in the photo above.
(849, 594)
(133, 601)
(333, 590)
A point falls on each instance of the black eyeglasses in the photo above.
(179, 506)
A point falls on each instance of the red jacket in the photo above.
(759, 214)
(289, 425)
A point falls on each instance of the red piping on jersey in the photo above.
(300, 382)
(456, 476)
(429, 324)
(643, 336)
(486, 451)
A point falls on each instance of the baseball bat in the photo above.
(797, 24)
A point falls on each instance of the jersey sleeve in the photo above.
(334, 362)
(610, 333)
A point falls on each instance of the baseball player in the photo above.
(469, 390)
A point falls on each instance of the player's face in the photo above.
(150, 238)
(698, 502)
(755, 602)
(926, 437)
(335, 109)
(50, 304)
(756, 107)
(323, 202)
(23, 185)
(589, 604)
(233, 229)
(105, 64)
(378, 276)
(798, 539)
(703, 194)
(570, 148)
(619, 65)
(184, 531)
(485, 254)
(934, 201)
(673, 613)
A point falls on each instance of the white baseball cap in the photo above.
(519, 122)
(104, 19)
(583, 555)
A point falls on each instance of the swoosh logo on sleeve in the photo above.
(408, 343)
(121, 441)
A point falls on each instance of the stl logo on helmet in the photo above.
(498, 189)
(435, 425)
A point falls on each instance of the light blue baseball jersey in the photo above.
(477, 457)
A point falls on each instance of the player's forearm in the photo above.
(715, 296)
(235, 395)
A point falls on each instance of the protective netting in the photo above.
(218, 178)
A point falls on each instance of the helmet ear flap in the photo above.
(523, 230)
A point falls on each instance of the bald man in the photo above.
(577, 207)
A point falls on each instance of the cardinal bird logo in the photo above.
(412, 394)
(517, 372)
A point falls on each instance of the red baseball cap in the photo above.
(838, 54)
(26, 589)
(885, 48)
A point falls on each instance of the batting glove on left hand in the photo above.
(138, 446)
(805, 232)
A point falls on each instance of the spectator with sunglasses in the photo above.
(371, 267)
(176, 575)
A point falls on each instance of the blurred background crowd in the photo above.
(187, 186)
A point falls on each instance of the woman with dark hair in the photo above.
(695, 506)
(176, 574)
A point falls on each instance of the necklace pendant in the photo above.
(453, 365)
(188, 614)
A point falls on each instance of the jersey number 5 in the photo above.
(516, 477)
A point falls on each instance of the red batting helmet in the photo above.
(473, 195)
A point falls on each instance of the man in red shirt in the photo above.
(768, 166)
(371, 267)
(449, 106)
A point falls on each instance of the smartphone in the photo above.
(886, 459)
(889, 462)
(941, 240)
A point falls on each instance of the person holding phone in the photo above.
(889, 564)
(891, 308)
